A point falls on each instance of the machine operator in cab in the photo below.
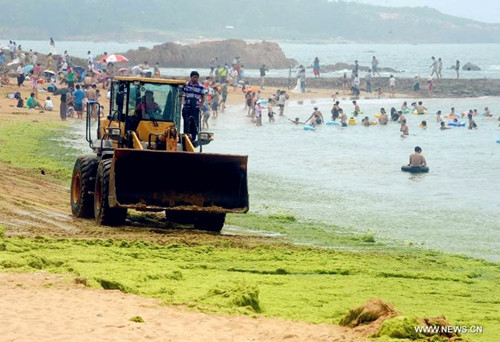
(194, 97)
(148, 108)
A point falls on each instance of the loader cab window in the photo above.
(119, 93)
(156, 102)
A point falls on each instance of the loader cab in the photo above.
(135, 99)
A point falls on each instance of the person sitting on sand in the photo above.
(5, 80)
(316, 117)
(420, 108)
(32, 103)
(417, 159)
(48, 104)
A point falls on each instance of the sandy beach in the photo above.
(46, 307)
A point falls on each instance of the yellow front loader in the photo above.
(143, 161)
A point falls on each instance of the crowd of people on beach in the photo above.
(78, 86)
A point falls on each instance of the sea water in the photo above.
(408, 59)
(352, 176)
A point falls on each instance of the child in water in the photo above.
(423, 124)
(443, 126)
(206, 115)
(270, 112)
(356, 108)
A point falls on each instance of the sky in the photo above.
(487, 11)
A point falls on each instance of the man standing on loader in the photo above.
(194, 97)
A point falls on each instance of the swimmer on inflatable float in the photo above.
(417, 162)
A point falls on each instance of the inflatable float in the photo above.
(378, 115)
(352, 122)
(457, 124)
(417, 113)
(406, 111)
(332, 123)
(360, 112)
(414, 169)
(309, 128)
(498, 141)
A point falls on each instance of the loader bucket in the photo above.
(143, 179)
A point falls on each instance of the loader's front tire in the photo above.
(212, 222)
(105, 215)
(83, 186)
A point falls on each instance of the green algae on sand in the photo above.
(314, 285)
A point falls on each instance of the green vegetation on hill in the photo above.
(258, 19)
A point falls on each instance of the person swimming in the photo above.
(296, 121)
(443, 126)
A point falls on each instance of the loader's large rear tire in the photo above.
(83, 186)
(105, 215)
(212, 222)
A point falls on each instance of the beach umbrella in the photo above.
(49, 72)
(114, 58)
(28, 68)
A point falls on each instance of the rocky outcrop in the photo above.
(198, 55)
(448, 87)
(470, 67)
(344, 66)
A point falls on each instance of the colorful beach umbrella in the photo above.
(114, 58)
(28, 68)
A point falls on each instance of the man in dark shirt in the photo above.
(263, 70)
(194, 97)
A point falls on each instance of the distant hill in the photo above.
(167, 20)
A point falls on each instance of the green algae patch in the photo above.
(137, 319)
(296, 230)
(38, 146)
(242, 295)
(401, 328)
(276, 280)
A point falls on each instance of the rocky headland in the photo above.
(197, 55)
